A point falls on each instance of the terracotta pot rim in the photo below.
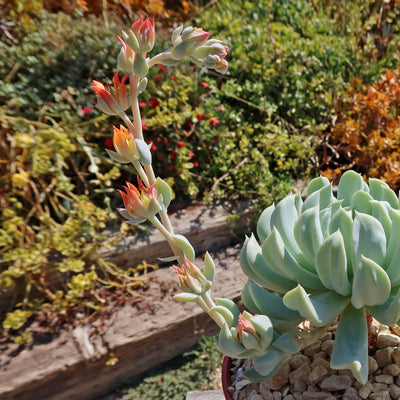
(226, 377)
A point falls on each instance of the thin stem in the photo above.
(128, 122)
(137, 129)
(141, 172)
(158, 58)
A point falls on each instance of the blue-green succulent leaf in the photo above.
(287, 343)
(283, 218)
(308, 233)
(264, 329)
(350, 350)
(254, 266)
(264, 223)
(255, 376)
(361, 202)
(341, 220)
(268, 362)
(184, 245)
(231, 306)
(380, 190)
(325, 219)
(267, 303)
(228, 345)
(350, 183)
(209, 267)
(392, 259)
(387, 313)
(368, 239)
(371, 284)
(317, 184)
(281, 261)
(331, 264)
(186, 297)
(320, 198)
(381, 211)
(224, 312)
(249, 341)
(281, 326)
(319, 309)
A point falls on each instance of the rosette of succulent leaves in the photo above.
(321, 259)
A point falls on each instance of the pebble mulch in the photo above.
(308, 376)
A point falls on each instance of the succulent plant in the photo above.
(322, 258)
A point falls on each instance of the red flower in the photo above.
(108, 142)
(200, 117)
(86, 110)
(172, 155)
(153, 146)
(142, 105)
(143, 125)
(171, 168)
(160, 158)
(179, 144)
(172, 77)
(162, 67)
(191, 154)
(158, 78)
(214, 121)
(219, 108)
(153, 103)
(195, 164)
(205, 84)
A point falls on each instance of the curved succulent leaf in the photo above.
(331, 264)
(361, 202)
(267, 303)
(186, 297)
(283, 218)
(350, 183)
(350, 350)
(165, 190)
(381, 210)
(287, 343)
(209, 267)
(308, 233)
(264, 223)
(392, 258)
(231, 306)
(254, 266)
(320, 198)
(184, 245)
(270, 362)
(319, 309)
(282, 326)
(380, 190)
(224, 312)
(387, 313)
(371, 284)
(228, 345)
(281, 261)
(368, 239)
(264, 329)
(317, 184)
(249, 341)
(341, 220)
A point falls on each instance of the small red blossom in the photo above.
(158, 78)
(108, 142)
(200, 117)
(142, 104)
(205, 84)
(188, 123)
(172, 155)
(195, 164)
(214, 121)
(160, 158)
(144, 125)
(172, 77)
(191, 155)
(219, 108)
(162, 67)
(153, 103)
(171, 168)
(86, 110)
(180, 144)
(152, 146)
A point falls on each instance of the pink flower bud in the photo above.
(112, 100)
(145, 34)
(244, 325)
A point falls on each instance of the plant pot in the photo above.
(226, 377)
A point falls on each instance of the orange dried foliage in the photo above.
(366, 135)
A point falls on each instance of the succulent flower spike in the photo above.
(141, 36)
(112, 100)
(125, 146)
(329, 256)
(139, 204)
(126, 57)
